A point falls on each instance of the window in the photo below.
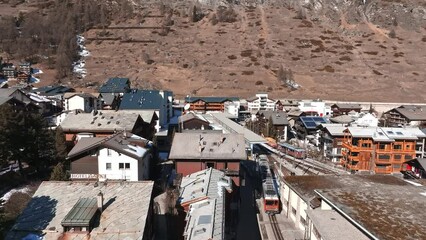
(293, 210)
(408, 147)
(397, 147)
(108, 152)
(396, 166)
(366, 145)
(108, 166)
(397, 157)
(121, 166)
(384, 157)
(382, 146)
(210, 165)
(302, 221)
(408, 157)
(127, 165)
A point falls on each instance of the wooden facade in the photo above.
(202, 106)
(381, 157)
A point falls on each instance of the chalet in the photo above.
(23, 77)
(381, 150)
(109, 101)
(344, 108)
(333, 207)
(122, 156)
(158, 101)
(85, 102)
(260, 102)
(331, 141)
(45, 105)
(405, 115)
(279, 122)
(192, 121)
(116, 85)
(308, 127)
(205, 199)
(87, 210)
(192, 152)
(107, 122)
(18, 100)
(55, 93)
(230, 105)
(15, 93)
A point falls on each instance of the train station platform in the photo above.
(276, 227)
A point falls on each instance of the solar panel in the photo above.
(399, 133)
(319, 119)
(311, 124)
(389, 132)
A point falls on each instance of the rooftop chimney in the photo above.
(100, 199)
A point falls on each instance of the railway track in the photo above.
(275, 227)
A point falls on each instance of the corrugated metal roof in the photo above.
(82, 213)
(115, 85)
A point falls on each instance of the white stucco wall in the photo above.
(115, 173)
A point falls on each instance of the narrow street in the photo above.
(247, 226)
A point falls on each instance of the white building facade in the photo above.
(260, 102)
(316, 107)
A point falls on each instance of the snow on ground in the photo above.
(79, 66)
(36, 71)
(7, 196)
(34, 80)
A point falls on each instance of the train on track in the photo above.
(270, 187)
(291, 150)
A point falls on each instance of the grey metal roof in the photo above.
(412, 112)
(82, 213)
(108, 98)
(52, 90)
(115, 85)
(347, 105)
(278, 117)
(144, 99)
(126, 207)
(233, 127)
(205, 190)
(208, 146)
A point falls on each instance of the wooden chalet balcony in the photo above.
(383, 161)
(351, 147)
(353, 158)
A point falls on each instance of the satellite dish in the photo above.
(186, 107)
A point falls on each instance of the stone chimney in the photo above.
(100, 201)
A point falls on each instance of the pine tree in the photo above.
(58, 173)
(60, 146)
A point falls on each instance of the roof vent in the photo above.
(118, 122)
(99, 124)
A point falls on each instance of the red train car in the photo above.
(291, 150)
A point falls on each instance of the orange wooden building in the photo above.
(382, 150)
(207, 104)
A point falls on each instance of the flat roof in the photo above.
(126, 208)
(332, 226)
(383, 210)
(381, 204)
